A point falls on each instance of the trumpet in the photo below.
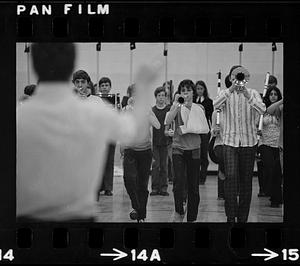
(181, 100)
(241, 76)
(111, 98)
(82, 92)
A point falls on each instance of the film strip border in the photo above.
(163, 22)
(167, 22)
(176, 243)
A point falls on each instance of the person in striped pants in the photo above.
(241, 107)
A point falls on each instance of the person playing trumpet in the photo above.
(241, 106)
(190, 122)
(81, 80)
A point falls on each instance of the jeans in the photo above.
(136, 177)
(239, 165)
(272, 172)
(281, 158)
(219, 154)
(186, 169)
(170, 164)
(204, 156)
(260, 175)
(160, 169)
(108, 175)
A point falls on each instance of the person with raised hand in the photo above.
(61, 139)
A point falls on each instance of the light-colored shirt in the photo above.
(270, 130)
(61, 151)
(200, 98)
(240, 117)
(188, 141)
(145, 140)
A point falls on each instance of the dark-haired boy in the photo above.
(160, 144)
(169, 99)
(108, 175)
(104, 85)
(81, 80)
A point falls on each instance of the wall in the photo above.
(185, 60)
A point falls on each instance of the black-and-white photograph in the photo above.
(149, 132)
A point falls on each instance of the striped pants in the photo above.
(239, 165)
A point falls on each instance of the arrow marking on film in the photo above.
(119, 255)
(270, 255)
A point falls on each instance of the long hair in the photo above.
(266, 99)
(202, 83)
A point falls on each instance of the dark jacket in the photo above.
(209, 108)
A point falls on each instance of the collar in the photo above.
(161, 107)
(201, 99)
(53, 90)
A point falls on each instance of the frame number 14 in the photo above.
(8, 255)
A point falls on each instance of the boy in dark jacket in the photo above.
(160, 144)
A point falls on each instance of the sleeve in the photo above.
(124, 101)
(278, 111)
(214, 121)
(280, 108)
(256, 102)
(122, 126)
(221, 98)
(153, 120)
(210, 109)
(168, 114)
(165, 122)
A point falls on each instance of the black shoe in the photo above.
(164, 193)
(108, 193)
(134, 215)
(154, 193)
